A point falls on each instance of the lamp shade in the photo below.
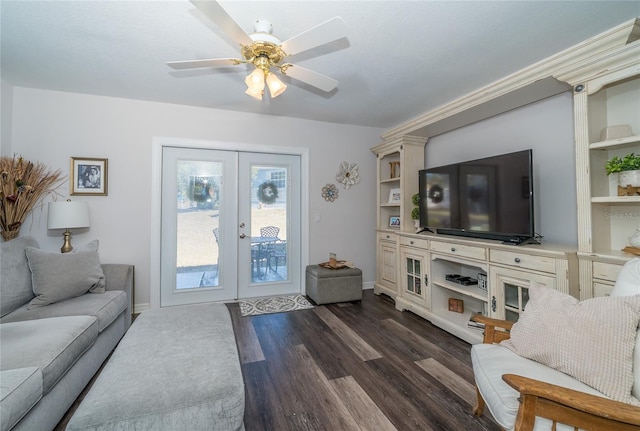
(276, 87)
(66, 215)
(255, 80)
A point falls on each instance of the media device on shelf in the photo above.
(490, 198)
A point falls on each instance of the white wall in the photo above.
(6, 102)
(546, 127)
(51, 127)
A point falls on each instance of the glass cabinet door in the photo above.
(415, 272)
(414, 282)
(510, 291)
(516, 297)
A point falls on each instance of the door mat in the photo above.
(274, 304)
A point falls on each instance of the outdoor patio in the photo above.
(197, 253)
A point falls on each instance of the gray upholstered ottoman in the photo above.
(176, 368)
(325, 286)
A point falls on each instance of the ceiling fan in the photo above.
(266, 52)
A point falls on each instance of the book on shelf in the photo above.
(475, 325)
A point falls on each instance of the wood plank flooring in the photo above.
(354, 366)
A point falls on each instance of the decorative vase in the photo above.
(626, 178)
(8, 235)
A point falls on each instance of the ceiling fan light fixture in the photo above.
(254, 93)
(255, 80)
(276, 87)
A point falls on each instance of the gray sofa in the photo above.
(60, 317)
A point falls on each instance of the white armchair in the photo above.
(525, 395)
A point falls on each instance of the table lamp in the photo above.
(67, 215)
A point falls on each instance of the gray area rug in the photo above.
(274, 304)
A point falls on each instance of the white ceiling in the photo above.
(401, 59)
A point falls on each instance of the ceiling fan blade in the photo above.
(212, 62)
(326, 32)
(216, 13)
(310, 77)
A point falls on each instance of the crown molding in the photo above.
(563, 67)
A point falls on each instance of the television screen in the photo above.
(488, 198)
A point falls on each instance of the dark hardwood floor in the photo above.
(354, 366)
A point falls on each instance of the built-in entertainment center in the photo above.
(471, 263)
(473, 212)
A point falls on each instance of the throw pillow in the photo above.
(15, 277)
(90, 246)
(59, 276)
(592, 340)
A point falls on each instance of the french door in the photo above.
(230, 225)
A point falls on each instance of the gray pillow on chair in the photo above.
(59, 276)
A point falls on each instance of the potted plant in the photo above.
(627, 168)
(415, 212)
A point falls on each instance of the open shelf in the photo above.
(390, 180)
(628, 142)
(472, 291)
(616, 200)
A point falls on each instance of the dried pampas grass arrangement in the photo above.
(22, 185)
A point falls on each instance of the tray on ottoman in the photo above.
(325, 286)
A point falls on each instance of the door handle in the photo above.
(241, 224)
(242, 236)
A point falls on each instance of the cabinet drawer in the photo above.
(606, 271)
(522, 260)
(601, 289)
(414, 242)
(459, 250)
(388, 237)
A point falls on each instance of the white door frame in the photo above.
(156, 198)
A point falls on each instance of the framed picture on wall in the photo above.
(88, 176)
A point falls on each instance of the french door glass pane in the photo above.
(269, 250)
(198, 215)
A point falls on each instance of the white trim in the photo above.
(156, 200)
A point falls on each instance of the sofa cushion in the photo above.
(59, 276)
(491, 361)
(20, 390)
(592, 340)
(53, 345)
(15, 288)
(105, 307)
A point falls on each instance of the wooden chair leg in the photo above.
(478, 409)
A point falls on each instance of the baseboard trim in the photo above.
(367, 285)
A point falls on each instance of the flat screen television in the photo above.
(489, 198)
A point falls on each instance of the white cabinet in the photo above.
(603, 272)
(415, 292)
(606, 94)
(436, 278)
(510, 290)
(398, 164)
(386, 271)
(399, 161)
